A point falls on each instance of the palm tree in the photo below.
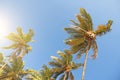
(44, 74)
(20, 42)
(83, 36)
(63, 66)
(13, 70)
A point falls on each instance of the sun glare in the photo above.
(5, 24)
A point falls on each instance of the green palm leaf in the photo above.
(95, 50)
(74, 41)
(102, 29)
(33, 75)
(88, 19)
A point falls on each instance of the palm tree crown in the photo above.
(13, 70)
(20, 42)
(83, 35)
(64, 65)
(44, 74)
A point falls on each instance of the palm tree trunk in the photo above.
(66, 76)
(84, 67)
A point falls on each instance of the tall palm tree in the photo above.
(83, 36)
(13, 70)
(44, 74)
(63, 66)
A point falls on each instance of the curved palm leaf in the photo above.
(102, 29)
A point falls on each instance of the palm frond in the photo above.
(74, 32)
(12, 46)
(56, 59)
(88, 19)
(61, 54)
(85, 20)
(95, 50)
(6, 69)
(76, 65)
(20, 32)
(79, 48)
(29, 35)
(64, 59)
(102, 29)
(74, 41)
(58, 70)
(14, 37)
(16, 64)
(75, 23)
(82, 21)
(54, 64)
(46, 73)
(33, 75)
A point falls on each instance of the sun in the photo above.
(5, 24)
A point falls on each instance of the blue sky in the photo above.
(48, 18)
